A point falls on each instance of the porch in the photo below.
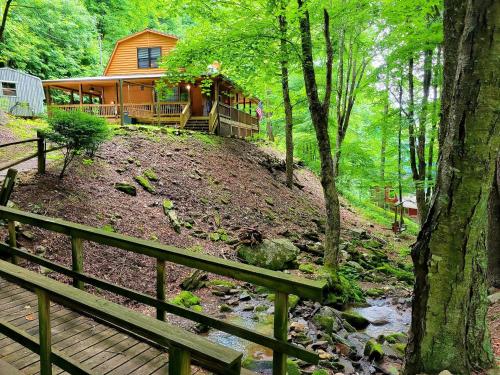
(134, 99)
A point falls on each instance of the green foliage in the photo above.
(188, 300)
(77, 132)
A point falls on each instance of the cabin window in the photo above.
(8, 89)
(148, 57)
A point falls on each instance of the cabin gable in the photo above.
(148, 44)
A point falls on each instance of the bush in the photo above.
(78, 132)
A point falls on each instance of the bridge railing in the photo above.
(282, 284)
(182, 345)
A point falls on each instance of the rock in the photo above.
(445, 372)
(358, 233)
(225, 308)
(393, 338)
(167, 205)
(174, 220)
(196, 280)
(356, 320)
(306, 268)
(277, 254)
(40, 250)
(379, 322)
(126, 188)
(374, 292)
(327, 319)
(358, 267)
(245, 296)
(144, 182)
(373, 350)
(494, 298)
(150, 174)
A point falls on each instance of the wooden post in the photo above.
(11, 227)
(179, 361)
(7, 186)
(80, 95)
(44, 332)
(160, 287)
(122, 118)
(77, 260)
(72, 97)
(41, 152)
(280, 331)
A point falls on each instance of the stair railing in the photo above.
(185, 115)
(213, 118)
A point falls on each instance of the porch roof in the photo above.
(101, 79)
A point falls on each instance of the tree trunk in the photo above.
(319, 116)
(494, 231)
(286, 98)
(449, 328)
(4, 19)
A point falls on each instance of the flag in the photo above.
(260, 111)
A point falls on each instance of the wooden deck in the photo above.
(101, 348)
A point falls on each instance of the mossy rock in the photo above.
(187, 299)
(126, 188)
(399, 347)
(374, 292)
(396, 272)
(167, 205)
(293, 300)
(320, 372)
(373, 350)
(150, 174)
(307, 268)
(144, 182)
(292, 368)
(277, 254)
(397, 337)
(225, 308)
(372, 244)
(356, 320)
(225, 283)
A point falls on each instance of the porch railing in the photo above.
(133, 109)
(237, 115)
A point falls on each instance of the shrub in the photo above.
(77, 132)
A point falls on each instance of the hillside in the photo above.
(220, 187)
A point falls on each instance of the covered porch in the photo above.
(225, 110)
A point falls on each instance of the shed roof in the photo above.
(20, 72)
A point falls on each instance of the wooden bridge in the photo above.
(50, 327)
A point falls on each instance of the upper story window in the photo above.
(148, 57)
(8, 88)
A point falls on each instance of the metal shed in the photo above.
(21, 94)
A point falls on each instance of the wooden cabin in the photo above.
(126, 92)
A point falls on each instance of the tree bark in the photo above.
(319, 115)
(449, 328)
(283, 24)
(494, 231)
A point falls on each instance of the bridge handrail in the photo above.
(280, 282)
(183, 345)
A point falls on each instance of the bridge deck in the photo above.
(103, 349)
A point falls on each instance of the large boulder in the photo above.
(277, 254)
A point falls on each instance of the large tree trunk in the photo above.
(449, 328)
(4, 19)
(286, 98)
(319, 116)
(494, 231)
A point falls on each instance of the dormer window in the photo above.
(148, 57)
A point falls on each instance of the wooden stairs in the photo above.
(198, 123)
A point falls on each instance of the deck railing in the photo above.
(237, 115)
(133, 109)
(280, 283)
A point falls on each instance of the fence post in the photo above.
(11, 226)
(44, 332)
(77, 260)
(280, 331)
(160, 287)
(179, 361)
(41, 152)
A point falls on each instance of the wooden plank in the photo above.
(274, 280)
(7, 186)
(41, 160)
(111, 352)
(280, 331)
(179, 362)
(159, 363)
(7, 369)
(77, 259)
(123, 360)
(33, 344)
(134, 365)
(160, 288)
(219, 324)
(11, 227)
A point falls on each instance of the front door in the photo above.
(196, 101)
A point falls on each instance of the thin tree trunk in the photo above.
(286, 97)
(400, 131)
(4, 19)
(319, 116)
(449, 328)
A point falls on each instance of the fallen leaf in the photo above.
(30, 317)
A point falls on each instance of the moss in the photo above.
(187, 299)
(150, 174)
(342, 289)
(269, 201)
(325, 322)
(399, 347)
(374, 292)
(126, 188)
(307, 268)
(293, 300)
(108, 228)
(292, 368)
(399, 274)
(261, 308)
(219, 235)
(373, 350)
(320, 372)
(225, 283)
(397, 337)
(195, 248)
(225, 308)
(356, 320)
(144, 182)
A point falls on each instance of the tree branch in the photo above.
(329, 60)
